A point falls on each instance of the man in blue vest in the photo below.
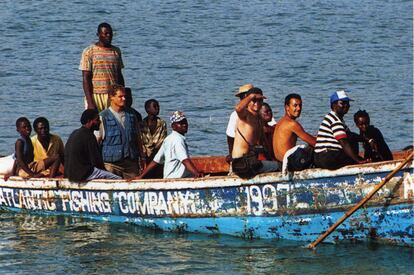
(120, 136)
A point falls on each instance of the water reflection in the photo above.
(74, 245)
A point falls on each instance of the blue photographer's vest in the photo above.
(119, 143)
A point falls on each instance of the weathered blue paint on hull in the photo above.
(298, 206)
(390, 224)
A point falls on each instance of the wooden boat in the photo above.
(296, 206)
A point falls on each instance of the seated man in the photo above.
(45, 144)
(231, 126)
(375, 147)
(26, 166)
(332, 148)
(120, 136)
(174, 152)
(287, 131)
(268, 130)
(154, 130)
(83, 160)
(248, 132)
(128, 103)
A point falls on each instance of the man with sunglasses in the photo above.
(333, 149)
(231, 126)
(249, 129)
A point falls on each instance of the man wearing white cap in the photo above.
(174, 152)
(332, 149)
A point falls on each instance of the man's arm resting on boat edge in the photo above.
(348, 150)
(189, 165)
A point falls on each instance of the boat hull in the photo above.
(297, 206)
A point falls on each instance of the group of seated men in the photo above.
(257, 144)
(116, 143)
(113, 144)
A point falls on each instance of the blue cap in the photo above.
(340, 95)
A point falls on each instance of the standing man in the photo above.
(101, 66)
(287, 131)
(249, 129)
(231, 126)
(120, 136)
(83, 160)
(45, 144)
(333, 149)
(174, 152)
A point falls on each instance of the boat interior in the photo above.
(218, 166)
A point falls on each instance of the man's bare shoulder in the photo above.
(286, 123)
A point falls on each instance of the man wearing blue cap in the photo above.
(174, 152)
(333, 149)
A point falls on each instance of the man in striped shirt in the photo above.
(333, 149)
(101, 65)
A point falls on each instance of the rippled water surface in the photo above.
(192, 55)
(63, 245)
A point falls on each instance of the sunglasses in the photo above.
(257, 100)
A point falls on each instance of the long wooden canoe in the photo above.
(296, 206)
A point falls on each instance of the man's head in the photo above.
(152, 107)
(256, 104)
(128, 97)
(105, 34)
(117, 97)
(266, 112)
(179, 122)
(23, 126)
(362, 120)
(90, 119)
(340, 102)
(41, 127)
(293, 105)
(243, 90)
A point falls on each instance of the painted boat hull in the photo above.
(298, 206)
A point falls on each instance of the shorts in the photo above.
(300, 159)
(35, 166)
(126, 168)
(102, 174)
(249, 166)
(101, 101)
(332, 159)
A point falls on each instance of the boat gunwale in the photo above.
(199, 183)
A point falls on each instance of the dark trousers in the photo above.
(332, 159)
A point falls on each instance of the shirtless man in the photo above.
(248, 132)
(287, 132)
(231, 126)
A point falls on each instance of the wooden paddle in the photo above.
(361, 203)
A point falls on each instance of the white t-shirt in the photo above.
(172, 153)
(231, 126)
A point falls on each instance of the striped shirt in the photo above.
(332, 130)
(104, 63)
